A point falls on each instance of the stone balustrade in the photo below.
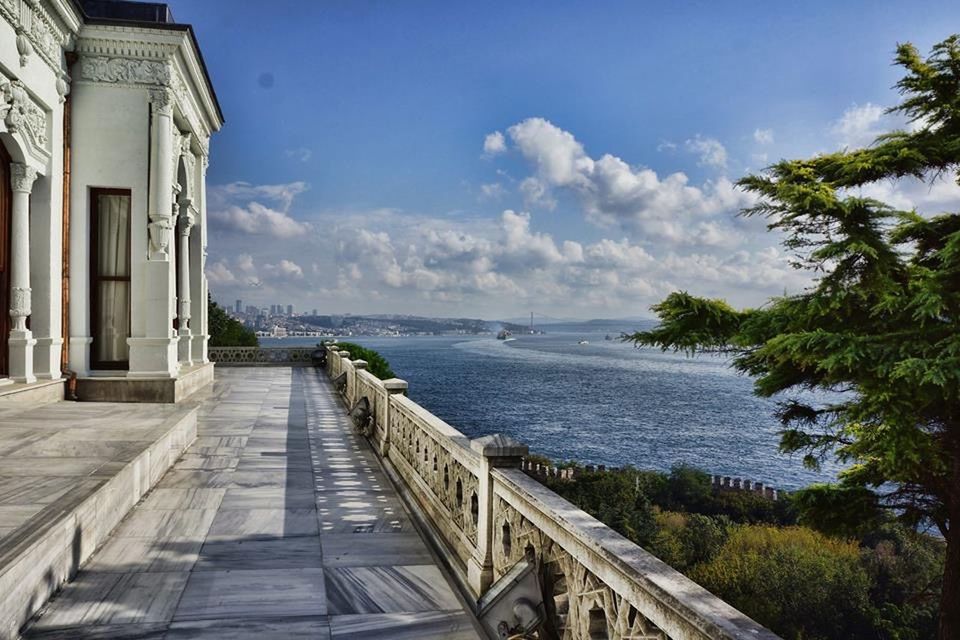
(266, 356)
(487, 515)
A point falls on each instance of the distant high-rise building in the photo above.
(314, 312)
(239, 306)
(289, 309)
(273, 309)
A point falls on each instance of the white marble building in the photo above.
(106, 113)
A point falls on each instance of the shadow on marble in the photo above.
(429, 625)
(253, 594)
(263, 523)
(388, 590)
(276, 553)
(315, 628)
(374, 549)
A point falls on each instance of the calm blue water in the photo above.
(601, 403)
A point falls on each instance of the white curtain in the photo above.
(113, 261)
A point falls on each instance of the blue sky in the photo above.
(352, 173)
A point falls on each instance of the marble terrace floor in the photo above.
(277, 523)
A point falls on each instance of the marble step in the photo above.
(40, 555)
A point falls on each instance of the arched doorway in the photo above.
(6, 202)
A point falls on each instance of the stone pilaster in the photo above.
(154, 353)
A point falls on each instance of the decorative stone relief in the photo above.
(159, 230)
(162, 101)
(19, 303)
(22, 177)
(21, 114)
(190, 167)
(63, 88)
(125, 70)
(450, 481)
(24, 48)
(579, 604)
(38, 31)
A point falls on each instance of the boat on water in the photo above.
(608, 337)
(505, 335)
(583, 342)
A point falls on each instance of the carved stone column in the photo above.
(198, 254)
(187, 219)
(153, 347)
(162, 205)
(21, 339)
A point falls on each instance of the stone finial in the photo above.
(395, 385)
(499, 446)
(359, 364)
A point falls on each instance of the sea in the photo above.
(603, 402)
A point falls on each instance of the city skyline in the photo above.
(569, 159)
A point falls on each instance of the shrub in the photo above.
(800, 583)
(376, 363)
(226, 331)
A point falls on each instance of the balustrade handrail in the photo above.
(259, 356)
(487, 513)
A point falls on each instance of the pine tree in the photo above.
(881, 323)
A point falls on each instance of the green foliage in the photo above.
(881, 323)
(801, 583)
(226, 331)
(682, 520)
(612, 498)
(686, 540)
(376, 363)
(905, 570)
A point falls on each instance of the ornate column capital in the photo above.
(22, 177)
(162, 100)
(187, 219)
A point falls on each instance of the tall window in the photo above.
(110, 278)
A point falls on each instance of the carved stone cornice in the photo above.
(22, 177)
(21, 114)
(126, 70)
(39, 31)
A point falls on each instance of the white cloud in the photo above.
(763, 136)
(494, 191)
(279, 194)
(710, 151)
(237, 207)
(494, 143)
(302, 154)
(614, 193)
(283, 270)
(256, 219)
(506, 264)
(859, 126)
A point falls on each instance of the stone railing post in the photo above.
(496, 451)
(344, 357)
(394, 387)
(352, 384)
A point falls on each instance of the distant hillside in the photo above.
(397, 323)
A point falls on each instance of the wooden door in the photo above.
(6, 202)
